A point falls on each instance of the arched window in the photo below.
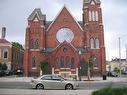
(95, 65)
(34, 62)
(37, 44)
(97, 43)
(57, 63)
(67, 62)
(96, 16)
(90, 16)
(91, 43)
(5, 53)
(31, 43)
(72, 62)
(93, 16)
(62, 62)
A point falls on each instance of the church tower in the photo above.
(34, 42)
(94, 32)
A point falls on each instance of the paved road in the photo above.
(82, 85)
(21, 86)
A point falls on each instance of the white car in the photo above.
(53, 82)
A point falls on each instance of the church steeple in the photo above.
(89, 1)
(93, 28)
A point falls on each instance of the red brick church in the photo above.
(65, 42)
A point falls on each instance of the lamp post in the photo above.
(88, 71)
(79, 66)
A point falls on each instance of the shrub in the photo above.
(111, 91)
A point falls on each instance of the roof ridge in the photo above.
(37, 11)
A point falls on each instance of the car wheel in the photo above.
(69, 87)
(39, 86)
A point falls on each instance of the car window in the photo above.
(56, 78)
(46, 78)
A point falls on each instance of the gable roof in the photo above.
(4, 41)
(88, 1)
(49, 22)
(37, 11)
(65, 43)
(59, 14)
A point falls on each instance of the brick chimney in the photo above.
(3, 32)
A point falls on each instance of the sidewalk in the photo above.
(84, 79)
(109, 79)
(15, 78)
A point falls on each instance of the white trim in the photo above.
(35, 19)
(85, 7)
(53, 71)
(34, 68)
(77, 72)
(86, 24)
(35, 13)
(6, 44)
(92, 3)
(59, 14)
(66, 43)
(34, 49)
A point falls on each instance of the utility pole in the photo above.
(126, 52)
(120, 56)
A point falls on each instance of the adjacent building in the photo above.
(65, 42)
(119, 64)
(10, 54)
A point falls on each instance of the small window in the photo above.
(96, 16)
(67, 62)
(31, 43)
(62, 62)
(93, 16)
(95, 62)
(37, 44)
(5, 53)
(65, 50)
(46, 78)
(72, 62)
(92, 43)
(97, 43)
(90, 16)
(56, 78)
(33, 62)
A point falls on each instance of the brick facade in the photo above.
(65, 58)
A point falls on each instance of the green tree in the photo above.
(90, 64)
(116, 70)
(43, 65)
(0, 66)
(4, 66)
(17, 45)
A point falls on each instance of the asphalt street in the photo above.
(82, 85)
(21, 86)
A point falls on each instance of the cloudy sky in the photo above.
(14, 14)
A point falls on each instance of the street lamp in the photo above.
(79, 65)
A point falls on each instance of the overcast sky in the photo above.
(14, 14)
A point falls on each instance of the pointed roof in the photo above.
(39, 14)
(65, 43)
(88, 1)
(4, 41)
(64, 7)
